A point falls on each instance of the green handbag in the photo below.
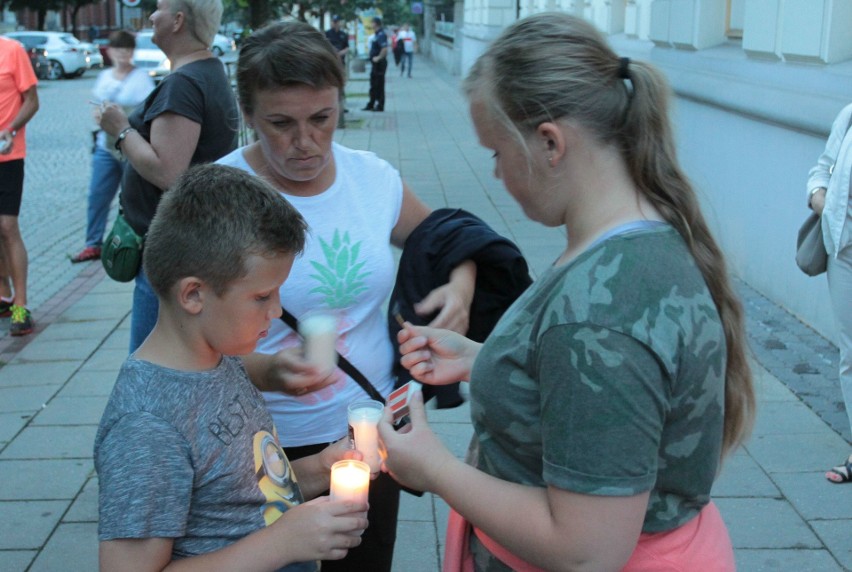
(122, 251)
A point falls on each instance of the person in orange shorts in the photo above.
(18, 104)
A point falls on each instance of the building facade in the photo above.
(757, 84)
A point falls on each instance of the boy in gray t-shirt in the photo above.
(188, 458)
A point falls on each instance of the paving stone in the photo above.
(418, 553)
(52, 443)
(85, 506)
(59, 350)
(89, 383)
(412, 507)
(47, 479)
(118, 340)
(11, 424)
(16, 560)
(797, 452)
(785, 418)
(40, 373)
(81, 313)
(25, 399)
(802, 560)
(743, 477)
(106, 359)
(97, 329)
(27, 524)
(72, 411)
(765, 523)
(73, 546)
(835, 534)
(455, 436)
(814, 497)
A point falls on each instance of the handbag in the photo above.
(811, 255)
(122, 250)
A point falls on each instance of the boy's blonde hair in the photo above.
(211, 221)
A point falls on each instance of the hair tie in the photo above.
(624, 68)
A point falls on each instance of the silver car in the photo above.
(93, 55)
(65, 54)
(149, 57)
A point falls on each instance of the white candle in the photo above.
(319, 331)
(350, 481)
(364, 417)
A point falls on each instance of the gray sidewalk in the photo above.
(782, 514)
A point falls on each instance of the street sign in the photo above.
(417, 7)
(131, 3)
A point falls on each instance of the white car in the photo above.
(223, 46)
(65, 53)
(93, 55)
(149, 57)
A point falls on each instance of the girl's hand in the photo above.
(415, 456)
(434, 356)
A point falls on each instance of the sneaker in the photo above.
(88, 253)
(5, 308)
(22, 321)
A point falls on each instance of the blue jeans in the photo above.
(106, 176)
(406, 57)
(143, 317)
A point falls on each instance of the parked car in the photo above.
(93, 55)
(149, 57)
(64, 52)
(223, 45)
(40, 64)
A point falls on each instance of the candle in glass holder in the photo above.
(350, 481)
(319, 331)
(364, 418)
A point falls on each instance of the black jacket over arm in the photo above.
(445, 239)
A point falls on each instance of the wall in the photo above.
(751, 115)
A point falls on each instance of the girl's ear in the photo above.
(553, 142)
(191, 293)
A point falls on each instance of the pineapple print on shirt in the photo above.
(340, 278)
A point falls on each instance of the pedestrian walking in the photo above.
(606, 397)
(829, 196)
(340, 40)
(379, 58)
(409, 43)
(18, 104)
(127, 86)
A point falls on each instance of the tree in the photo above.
(40, 7)
(74, 6)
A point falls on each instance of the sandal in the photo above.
(841, 473)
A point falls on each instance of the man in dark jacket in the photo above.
(379, 59)
(340, 40)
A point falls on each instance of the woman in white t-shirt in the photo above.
(357, 207)
(127, 86)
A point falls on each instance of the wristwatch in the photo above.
(122, 136)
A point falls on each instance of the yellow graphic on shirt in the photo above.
(275, 477)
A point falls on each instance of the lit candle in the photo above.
(350, 481)
(319, 331)
(364, 417)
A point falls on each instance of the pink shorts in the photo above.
(700, 544)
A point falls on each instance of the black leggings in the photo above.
(375, 553)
